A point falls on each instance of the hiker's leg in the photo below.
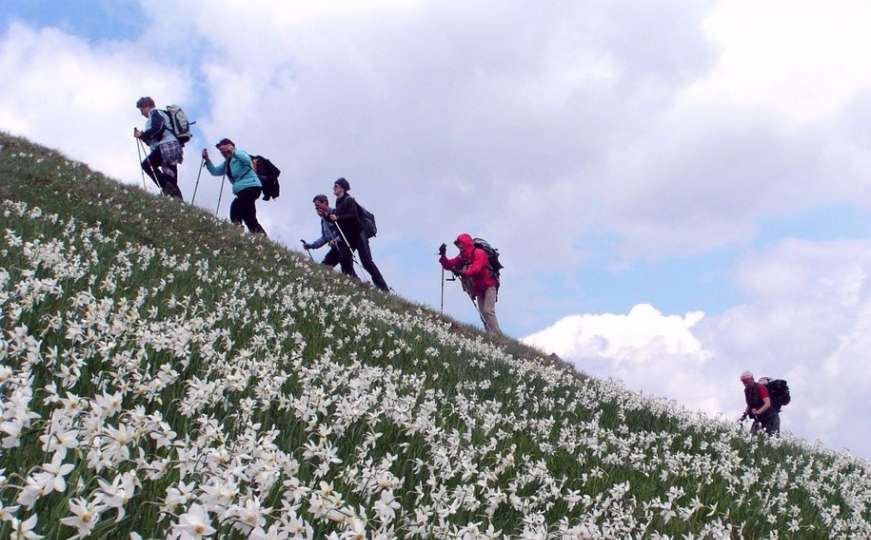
(236, 212)
(754, 428)
(487, 305)
(332, 258)
(249, 209)
(346, 260)
(151, 164)
(366, 260)
(170, 180)
(772, 424)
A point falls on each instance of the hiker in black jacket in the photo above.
(347, 218)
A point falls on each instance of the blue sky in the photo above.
(674, 156)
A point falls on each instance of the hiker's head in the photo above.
(145, 104)
(747, 378)
(465, 244)
(226, 147)
(340, 187)
(322, 204)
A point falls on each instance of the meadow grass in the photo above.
(234, 359)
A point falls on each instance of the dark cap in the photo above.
(224, 141)
(342, 183)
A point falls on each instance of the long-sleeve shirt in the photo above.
(156, 131)
(329, 232)
(238, 169)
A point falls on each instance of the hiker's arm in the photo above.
(449, 264)
(320, 241)
(766, 404)
(216, 170)
(479, 261)
(156, 126)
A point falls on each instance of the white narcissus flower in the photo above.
(194, 524)
(275, 532)
(250, 515)
(37, 486)
(118, 493)
(58, 471)
(386, 507)
(23, 530)
(84, 517)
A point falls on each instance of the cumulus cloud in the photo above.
(517, 123)
(66, 92)
(673, 126)
(489, 115)
(808, 320)
(649, 351)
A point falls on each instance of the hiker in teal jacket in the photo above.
(246, 186)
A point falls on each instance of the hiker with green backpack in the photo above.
(356, 225)
(165, 147)
(237, 166)
(478, 272)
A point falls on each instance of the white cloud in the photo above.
(808, 320)
(674, 126)
(793, 58)
(66, 92)
(638, 337)
(649, 351)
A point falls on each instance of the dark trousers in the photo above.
(362, 247)
(243, 209)
(770, 422)
(341, 255)
(165, 176)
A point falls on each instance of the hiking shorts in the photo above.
(171, 153)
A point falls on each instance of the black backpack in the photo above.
(778, 391)
(492, 256)
(367, 220)
(268, 174)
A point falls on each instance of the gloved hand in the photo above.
(443, 249)
(306, 246)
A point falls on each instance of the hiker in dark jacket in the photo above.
(165, 152)
(339, 252)
(349, 222)
(246, 185)
(472, 266)
(759, 406)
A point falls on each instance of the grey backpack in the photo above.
(179, 124)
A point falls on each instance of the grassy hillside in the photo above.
(162, 373)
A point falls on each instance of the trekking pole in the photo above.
(150, 166)
(141, 170)
(471, 299)
(345, 238)
(442, 308)
(197, 185)
(220, 194)
(307, 250)
(478, 311)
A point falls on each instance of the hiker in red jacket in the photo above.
(472, 265)
(759, 406)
